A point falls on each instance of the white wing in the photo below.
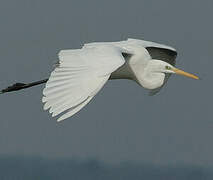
(149, 44)
(81, 73)
(129, 42)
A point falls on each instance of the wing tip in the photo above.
(60, 119)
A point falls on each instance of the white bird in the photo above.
(81, 73)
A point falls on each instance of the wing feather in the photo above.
(78, 77)
(75, 109)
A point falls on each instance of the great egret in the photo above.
(81, 73)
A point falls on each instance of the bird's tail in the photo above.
(19, 86)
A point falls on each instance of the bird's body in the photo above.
(137, 55)
(81, 73)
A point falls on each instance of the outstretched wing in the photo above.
(80, 74)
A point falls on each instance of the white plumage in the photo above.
(78, 77)
(81, 73)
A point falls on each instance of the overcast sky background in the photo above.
(122, 123)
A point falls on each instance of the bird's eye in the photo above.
(167, 67)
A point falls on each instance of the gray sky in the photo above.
(121, 123)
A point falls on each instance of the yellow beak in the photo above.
(178, 71)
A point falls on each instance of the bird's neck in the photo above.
(152, 80)
(148, 76)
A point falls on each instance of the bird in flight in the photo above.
(81, 73)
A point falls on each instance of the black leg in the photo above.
(19, 86)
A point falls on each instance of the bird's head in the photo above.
(164, 67)
(154, 73)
